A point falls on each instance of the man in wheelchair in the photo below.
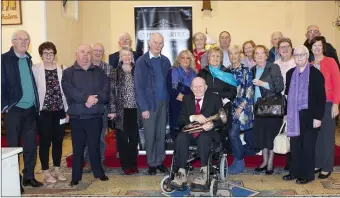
(195, 110)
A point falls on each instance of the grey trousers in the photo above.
(324, 150)
(154, 134)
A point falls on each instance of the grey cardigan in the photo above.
(272, 75)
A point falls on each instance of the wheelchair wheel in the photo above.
(213, 188)
(165, 185)
(223, 168)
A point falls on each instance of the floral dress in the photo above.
(245, 94)
(53, 100)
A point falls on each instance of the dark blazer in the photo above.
(114, 58)
(223, 89)
(211, 105)
(78, 84)
(11, 89)
(316, 92)
(145, 82)
(272, 75)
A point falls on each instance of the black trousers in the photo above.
(51, 131)
(86, 131)
(128, 139)
(184, 140)
(22, 123)
(303, 149)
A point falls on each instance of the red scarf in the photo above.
(198, 59)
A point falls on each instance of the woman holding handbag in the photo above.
(306, 106)
(268, 82)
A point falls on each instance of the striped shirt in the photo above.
(106, 67)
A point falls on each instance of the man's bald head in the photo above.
(198, 86)
(83, 55)
(156, 43)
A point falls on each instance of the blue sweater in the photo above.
(146, 82)
(159, 79)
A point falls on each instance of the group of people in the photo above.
(141, 90)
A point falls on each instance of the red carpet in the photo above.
(250, 161)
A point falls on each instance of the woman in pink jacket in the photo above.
(324, 158)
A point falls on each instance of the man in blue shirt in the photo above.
(20, 103)
(152, 100)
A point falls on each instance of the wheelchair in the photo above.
(217, 169)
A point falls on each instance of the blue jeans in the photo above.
(248, 138)
(102, 139)
(236, 143)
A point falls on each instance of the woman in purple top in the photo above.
(305, 110)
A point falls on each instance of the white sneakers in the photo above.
(51, 176)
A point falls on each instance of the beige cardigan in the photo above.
(39, 75)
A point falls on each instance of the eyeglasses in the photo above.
(300, 55)
(313, 31)
(22, 40)
(48, 53)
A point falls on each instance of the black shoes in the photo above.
(270, 172)
(322, 176)
(74, 183)
(258, 169)
(162, 168)
(288, 177)
(104, 178)
(302, 181)
(32, 182)
(152, 170)
(318, 170)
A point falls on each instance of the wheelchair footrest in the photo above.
(199, 188)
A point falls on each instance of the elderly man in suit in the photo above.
(124, 39)
(197, 108)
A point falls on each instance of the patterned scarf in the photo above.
(297, 99)
(198, 59)
(226, 77)
(180, 76)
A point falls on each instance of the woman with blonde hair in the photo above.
(201, 59)
(242, 108)
(123, 108)
(178, 84)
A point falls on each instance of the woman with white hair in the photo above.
(123, 108)
(306, 106)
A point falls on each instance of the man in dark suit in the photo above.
(197, 108)
(313, 31)
(124, 40)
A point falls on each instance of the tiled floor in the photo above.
(143, 185)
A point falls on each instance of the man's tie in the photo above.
(198, 111)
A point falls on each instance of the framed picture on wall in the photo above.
(11, 12)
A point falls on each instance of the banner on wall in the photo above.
(174, 23)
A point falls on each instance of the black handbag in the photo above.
(271, 106)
